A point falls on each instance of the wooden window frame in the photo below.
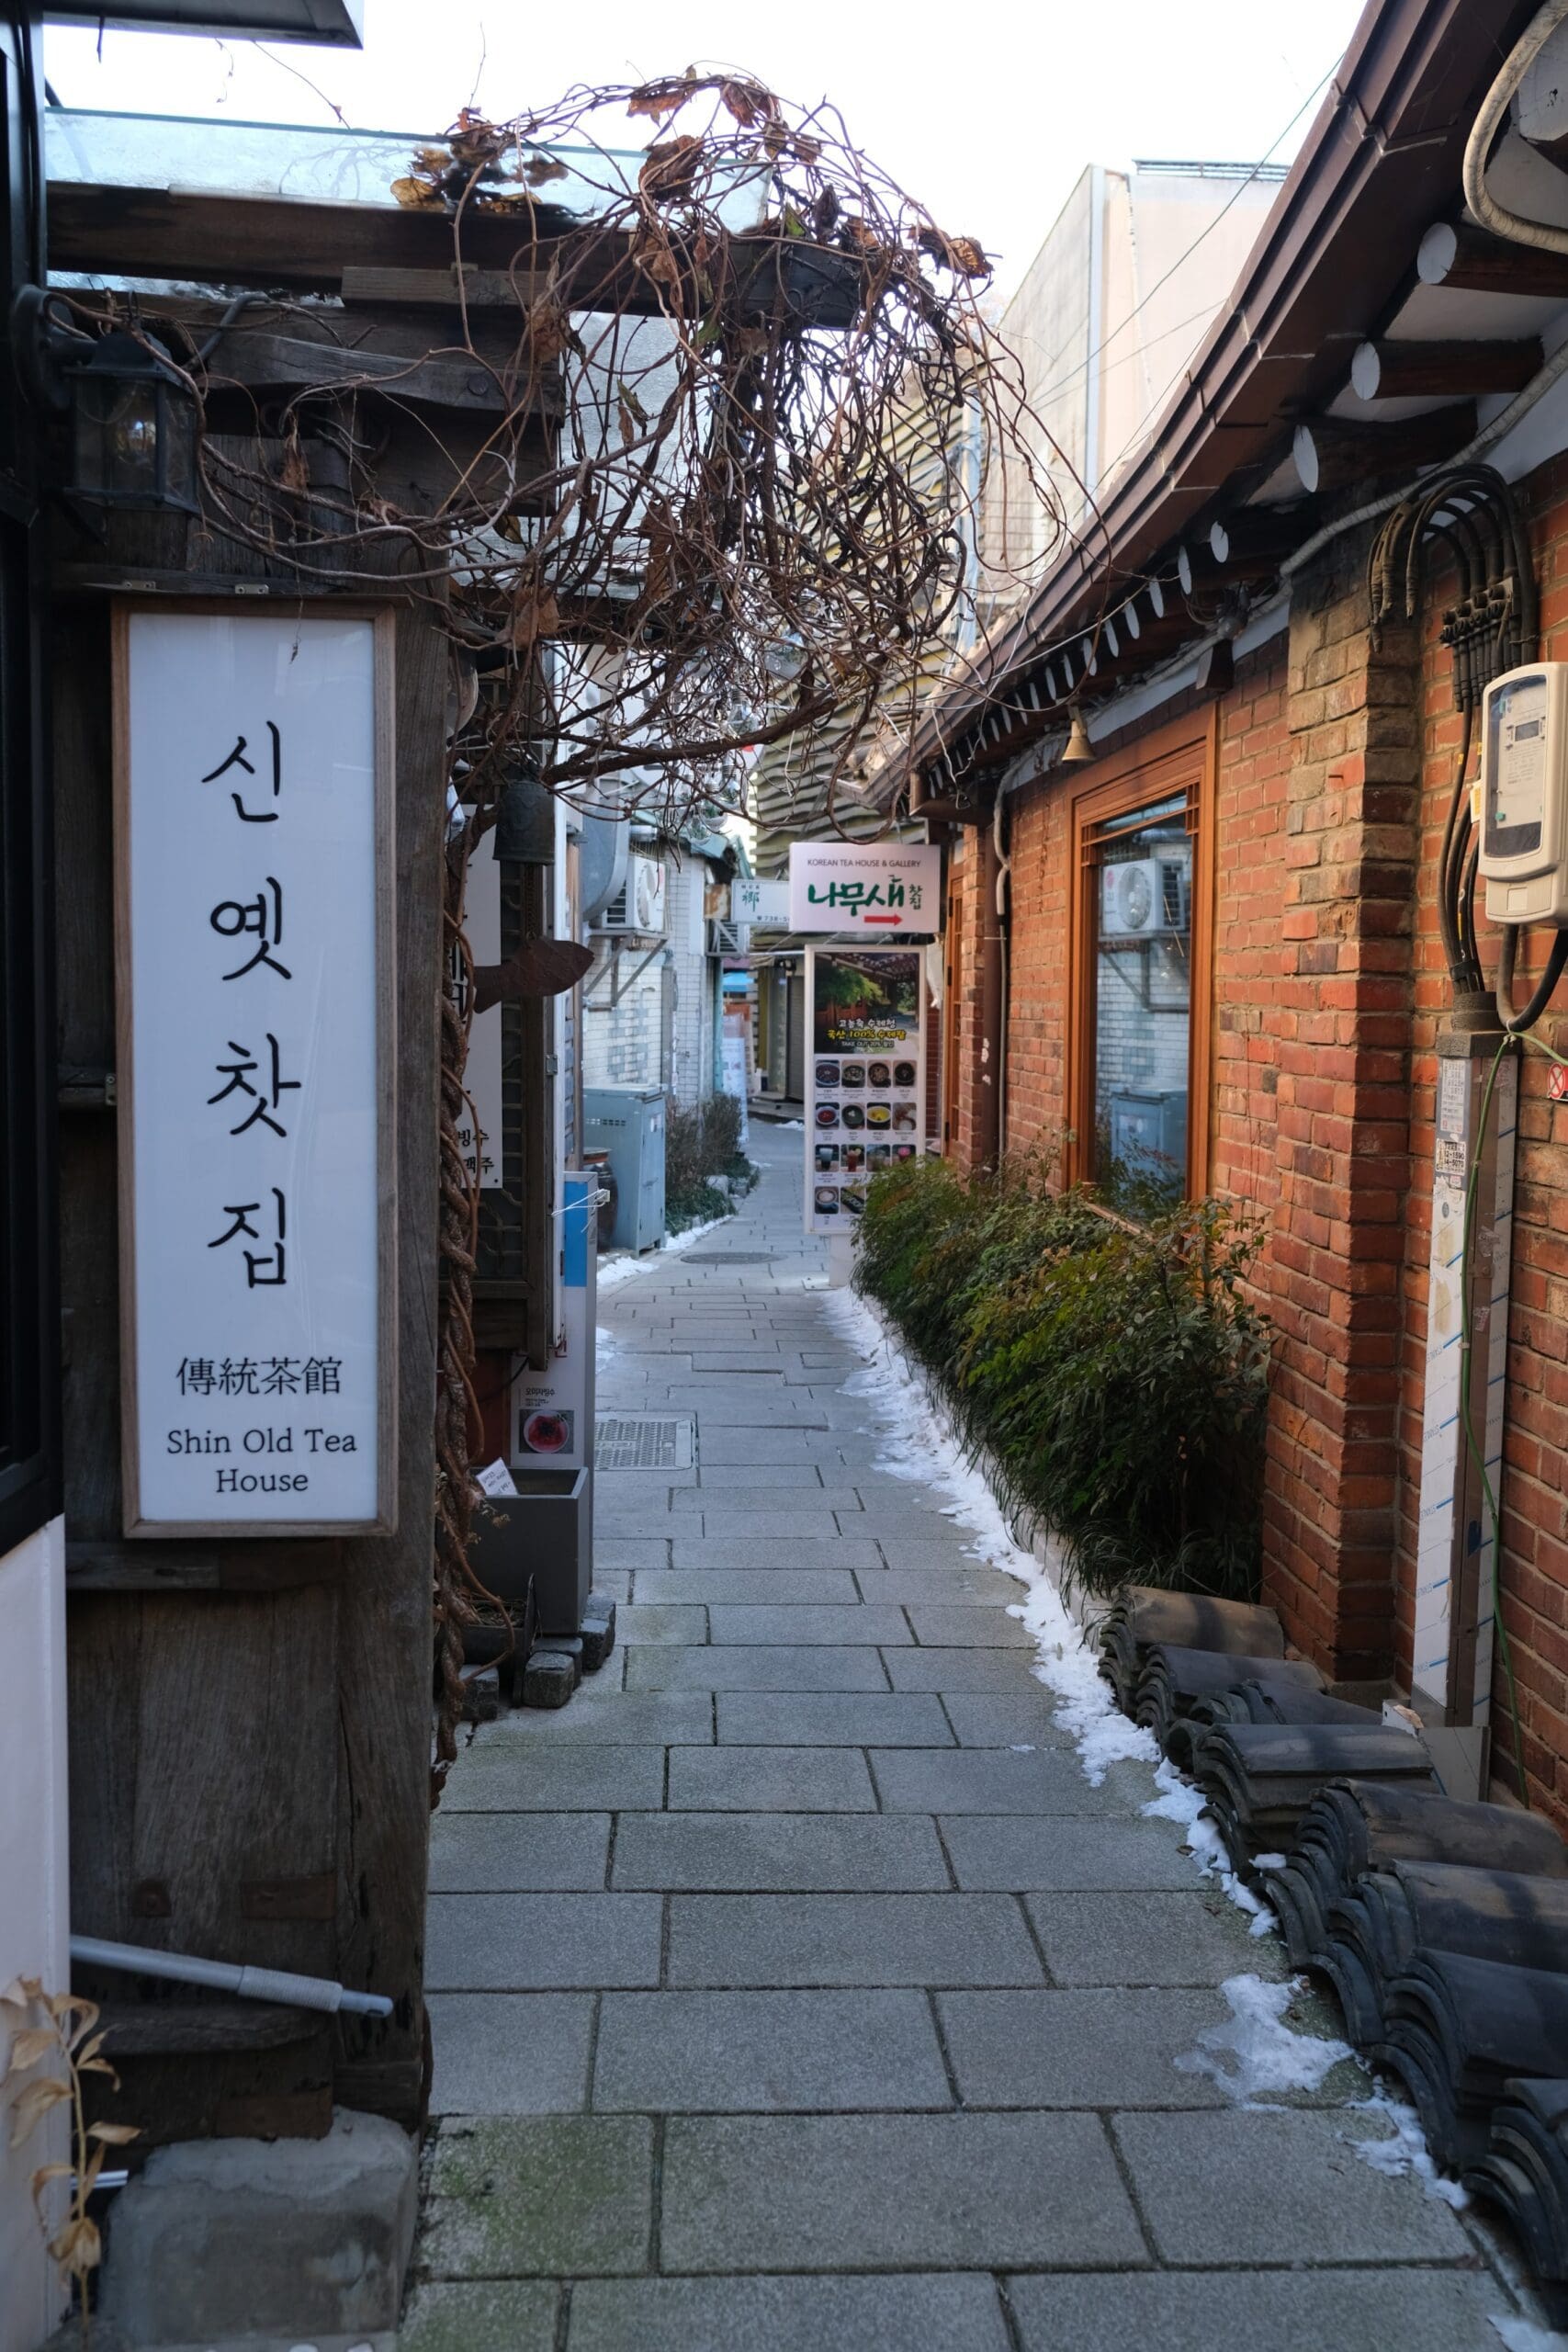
(1182, 757)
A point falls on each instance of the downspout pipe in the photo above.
(229, 1976)
(989, 1041)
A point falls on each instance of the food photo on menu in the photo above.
(854, 1115)
(879, 1115)
(906, 1115)
(827, 1158)
(828, 1115)
(878, 1155)
(904, 1074)
(826, 1073)
(853, 1073)
(827, 1200)
(878, 1074)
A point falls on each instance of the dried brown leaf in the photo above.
(540, 168)
(34, 2102)
(28, 2047)
(417, 196)
(659, 100)
(77, 2248)
(749, 102)
(22, 1992)
(670, 168)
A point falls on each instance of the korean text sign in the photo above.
(254, 871)
(877, 890)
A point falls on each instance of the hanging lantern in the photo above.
(133, 426)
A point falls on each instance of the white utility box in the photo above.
(1524, 794)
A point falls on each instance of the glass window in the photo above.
(1143, 1007)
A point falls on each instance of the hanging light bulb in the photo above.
(1079, 747)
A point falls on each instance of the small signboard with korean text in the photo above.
(876, 888)
(866, 1075)
(254, 947)
(478, 1126)
(756, 901)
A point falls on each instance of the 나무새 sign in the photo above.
(880, 888)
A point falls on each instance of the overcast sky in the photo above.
(985, 111)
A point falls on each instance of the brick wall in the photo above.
(1335, 765)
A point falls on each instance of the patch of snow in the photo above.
(1406, 2152)
(603, 1347)
(1523, 2335)
(1180, 1801)
(1254, 2056)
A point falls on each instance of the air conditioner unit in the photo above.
(639, 904)
(1143, 898)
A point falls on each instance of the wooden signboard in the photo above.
(254, 877)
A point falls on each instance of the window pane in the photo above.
(1143, 1011)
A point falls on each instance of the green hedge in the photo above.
(700, 1143)
(1117, 1375)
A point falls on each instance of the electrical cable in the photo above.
(1545, 236)
(1515, 1024)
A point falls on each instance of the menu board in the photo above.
(865, 1078)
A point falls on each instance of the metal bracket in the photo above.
(618, 986)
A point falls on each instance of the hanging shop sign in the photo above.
(254, 955)
(752, 899)
(876, 889)
(866, 1075)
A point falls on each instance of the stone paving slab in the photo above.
(778, 1853)
(768, 1552)
(767, 2053)
(662, 1622)
(786, 1510)
(965, 1585)
(770, 1780)
(1025, 1718)
(746, 1478)
(1032, 1855)
(893, 2313)
(1197, 1938)
(1240, 2189)
(872, 1719)
(892, 2192)
(481, 2316)
(983, 1780)
(1002, 1670)
(500, 1774)
(610, 1717)
(774, 1587)
(1080, 2049)
(867, 1621)
(511, 2054)
(1264, 2311)
(720, 1666)
(513, 1943)
(530, 2197)
(782, 1939)
(943, 1627)
(513, 1851)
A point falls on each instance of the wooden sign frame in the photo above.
(382, 618)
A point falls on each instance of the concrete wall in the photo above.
(34, 1908)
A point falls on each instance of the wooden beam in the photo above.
(1331, 453)
(290, 362)
(1394, 371)
(1253, 543)
(1475, 262)
(275, 241)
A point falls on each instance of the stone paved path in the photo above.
(793, 1991)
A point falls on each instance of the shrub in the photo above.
(700, 1143)
(1118, 1374)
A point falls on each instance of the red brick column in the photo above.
(1341, 1033)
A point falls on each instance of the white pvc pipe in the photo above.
(228, 1976)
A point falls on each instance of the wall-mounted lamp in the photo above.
(1078, 748)
(132, 417)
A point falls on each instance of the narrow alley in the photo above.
(793, 1985)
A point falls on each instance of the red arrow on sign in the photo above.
(895, 918)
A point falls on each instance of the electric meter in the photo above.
(1524, 794)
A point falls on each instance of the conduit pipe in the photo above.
(990, 1042)
(229, 1976)
(1004, 949)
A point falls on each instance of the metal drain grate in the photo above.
(643, 1441)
